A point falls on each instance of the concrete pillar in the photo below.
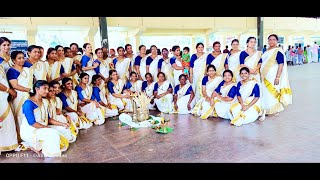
(137, 39)
(31, 35)
(260, 32)
(193, 45)
(90, 37)
(104, 32)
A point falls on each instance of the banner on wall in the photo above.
(19, 45)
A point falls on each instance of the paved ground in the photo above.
(293, 136)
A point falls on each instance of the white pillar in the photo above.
(137, 39)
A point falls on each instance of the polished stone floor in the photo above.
(293, 136)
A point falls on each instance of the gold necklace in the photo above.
(85, 91)
(117, 86)
(5, 56)
(69, 97)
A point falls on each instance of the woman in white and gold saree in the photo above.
(21, 80)
(122, 65)
(35, 131)
(109, 110)
(275, 83)
(183, 99)
(147, 87)
(209, 84)
(163, 94)
(134, 85)
(234, 60)
(218, 59)
(224, 96)
(8, 133)
(87, 61)
(248, 107)
(40, 68)
(176, 63)
(56, 69)
(116, 95)
(67, 63)
(197, 70)
(58, 121)
(165, 66)
(5, 60)
(140, 63)
(70, 106)
(103, 71)
(251, 59)
(87, 103)
(152, 62)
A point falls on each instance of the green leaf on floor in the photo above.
(164, 130)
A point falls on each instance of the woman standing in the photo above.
(86, 101)
(209, 84)
(251, 59)
(8, 133)
(234, 59)
(165, 66)
(248, 107)
(67, 63)
(218, 59)
(224, 96)
(35, 131)
(69, 98)
(197, 70)
(183, 99)
(163, 94)
(40, 68)
(20, 79)
(176, 63)
(147, 87)
(109, 110)
(56, 70)
(274, 74)
(87, 61)
(122, 65)
(140, 63)
(5, 46)
(152, 62)
(116, 95)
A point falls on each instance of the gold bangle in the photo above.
(277, 78)
(7, 89)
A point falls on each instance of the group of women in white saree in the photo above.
(47, 103)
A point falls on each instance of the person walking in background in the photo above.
(300, 54)
(314, 51)
(264, 48)
(226, 50)
(309, 49)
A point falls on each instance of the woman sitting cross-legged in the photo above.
(209, 84)
(183, 99)
(147, 87)
(70, 106)
(163, 94)
(86, 101)
(224, 96)
(34, 129)
(248, 109)
(58, 120)
(116, 95)
(109, 110)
